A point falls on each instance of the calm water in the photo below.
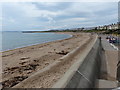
(12, 40)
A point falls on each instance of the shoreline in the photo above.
(39, 43)
(20, 64)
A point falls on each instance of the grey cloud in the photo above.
(57, 15)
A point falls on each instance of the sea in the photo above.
(16, 39)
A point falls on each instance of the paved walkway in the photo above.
(111, 58)
(107, 45)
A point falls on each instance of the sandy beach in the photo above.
(19, 64)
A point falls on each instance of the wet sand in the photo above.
(19, 64)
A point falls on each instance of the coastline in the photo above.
(21, 63)
(39, 43)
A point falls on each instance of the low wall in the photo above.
(89, 71)
(80, 57)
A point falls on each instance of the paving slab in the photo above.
(106, 84)
(111, 59)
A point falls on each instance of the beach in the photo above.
(22, 63)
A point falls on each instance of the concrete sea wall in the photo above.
(89, 71)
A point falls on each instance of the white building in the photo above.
(108, 27)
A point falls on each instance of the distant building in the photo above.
(105, 27)
(113, 27)
(100, 28)
(108, 27)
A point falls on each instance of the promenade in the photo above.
(109, 66)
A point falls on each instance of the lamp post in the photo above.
(119, 15)
(118, 65)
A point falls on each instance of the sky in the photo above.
(21, 16)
